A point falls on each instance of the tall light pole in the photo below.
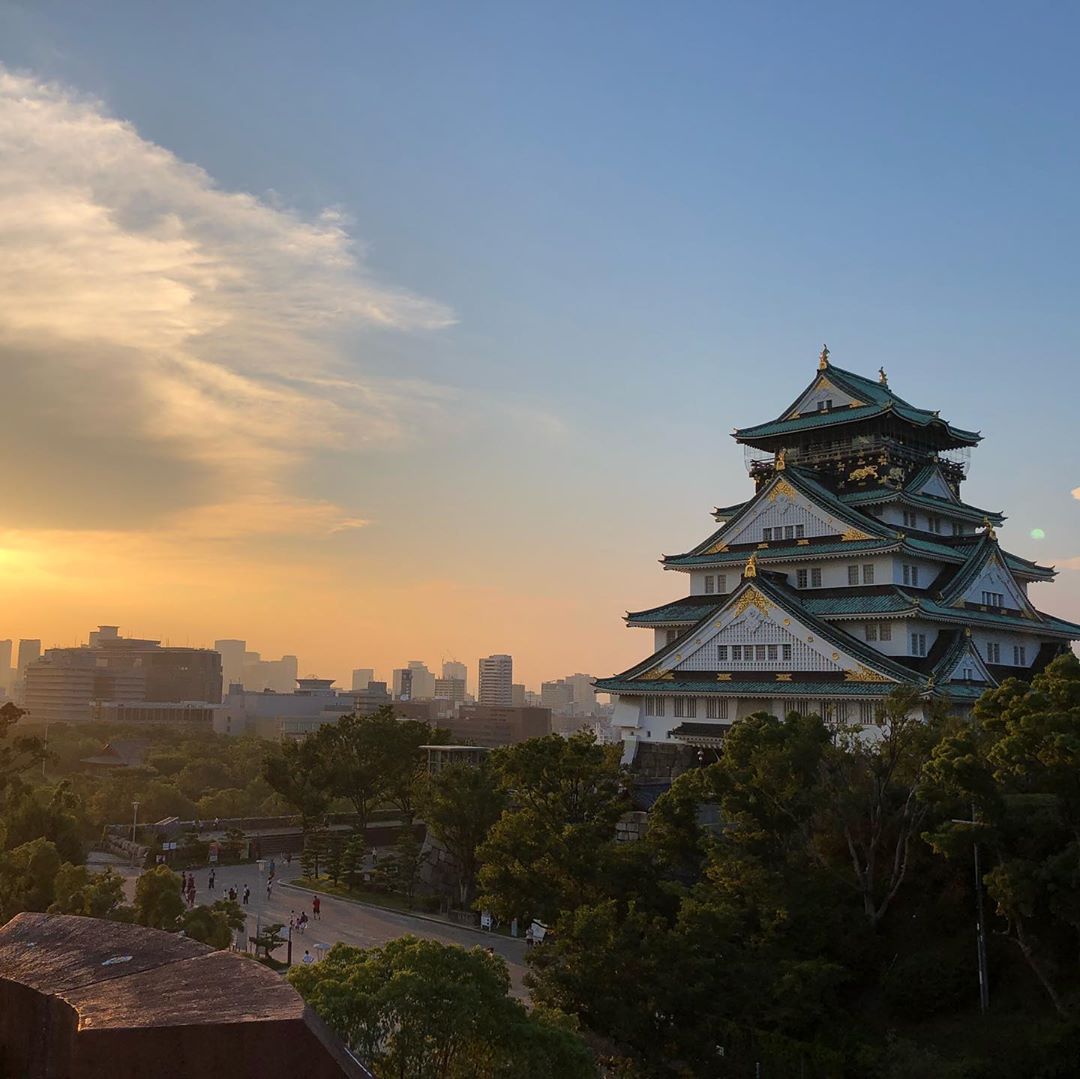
(980, 918)
(134, 823)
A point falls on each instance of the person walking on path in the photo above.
(269, 887)
(316, 909)
(247, 894)
(308, 957)
(210, 885)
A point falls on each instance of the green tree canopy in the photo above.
(417, 1009)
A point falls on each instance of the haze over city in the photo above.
(364, 361)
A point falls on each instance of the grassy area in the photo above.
(377, 898)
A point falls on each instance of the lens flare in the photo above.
(1037, 533)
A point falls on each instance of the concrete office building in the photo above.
(362, 676)
(483, 725)
(61, 685)
(496, 680)
(314, 703)
(451, 668)
(232, 660)
(450, 689)
(7, 675)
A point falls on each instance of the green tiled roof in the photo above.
(968, 615)
(748, 689)
(730, 511)
(686, 610)
(895, 602)
(881, 400)
(782, 554)
(789, 600)
(877, 495)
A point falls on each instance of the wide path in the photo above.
(340, 920)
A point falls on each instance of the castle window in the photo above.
(871, 631)
(911, 575)
(815, 577)
(885, 632)
(766, 534)
(672, 636)
(933, 524)
(721, 653)
(786, 651)
(710, 581)
(721, 582)
(866, 713)
(772, 651)
(993, 652)
(918, 644)
(853, 575)
(759, 652)
(691, 708)
(716, 708)
(736, 652)
(800, 531)
(868, 573)
(789, 531)
(911, 519)
(1019, 655)
(800, 578)
(993, 599)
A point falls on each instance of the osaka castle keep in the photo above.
(856, 568)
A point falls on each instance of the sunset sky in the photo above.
(391, 331)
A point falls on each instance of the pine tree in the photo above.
(334, 852)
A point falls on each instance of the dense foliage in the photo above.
(418, 1009)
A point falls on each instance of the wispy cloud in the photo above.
(150, 318)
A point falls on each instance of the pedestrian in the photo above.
(288, 858)
(210, 885)
(308, 957)
(269, 886)
(302, 922)
(232, 893)
(292, 919)
(183, 881)
(247, 894)
(316, 909)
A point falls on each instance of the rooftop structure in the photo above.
(856, 568)
(64, 683)
(91, 999)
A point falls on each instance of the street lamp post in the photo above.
(980, 918)
(134, 824)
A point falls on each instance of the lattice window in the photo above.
(871, 631)
(710, 583)
(852, 576)
(885, 632)
(866, 713)
(868, 573)
(766, 647)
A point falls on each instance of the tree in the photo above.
(56, 815)
(214, 924)
(543, 855)
(158, 903)
(300, 773)
(403, 764)
(1017, 767)
(459, 805)
(17, 753)
(28, 877)
(361, 752)
(94, 895)
(872, 791)
(417, 1009)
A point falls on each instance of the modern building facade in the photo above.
(362, 676)
(496, 682)
(856, 568)
(451, 668)
(450, 689)
(61, 686)
(492, 726)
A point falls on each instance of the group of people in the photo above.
(187, 888)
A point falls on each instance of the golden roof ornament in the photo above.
(882, 377)
(781, 464)
(990, 533)
(823, 359)
(751, 566)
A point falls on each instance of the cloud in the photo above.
(1076, 493)
(172, 347)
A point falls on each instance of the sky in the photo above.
(372, 332)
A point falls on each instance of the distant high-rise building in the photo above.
(517, 695)
(423, 681)
(584, 694)
(558, 696)
(452, 669)
(5, 665)
(29, 651)
(61, 685)
(496, 679)
(232, 660)
(450, 689)
(362, 676)
(483, 725)
(403, 684)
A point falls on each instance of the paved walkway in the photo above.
(341, 920)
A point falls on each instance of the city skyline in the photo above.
(408, 349)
